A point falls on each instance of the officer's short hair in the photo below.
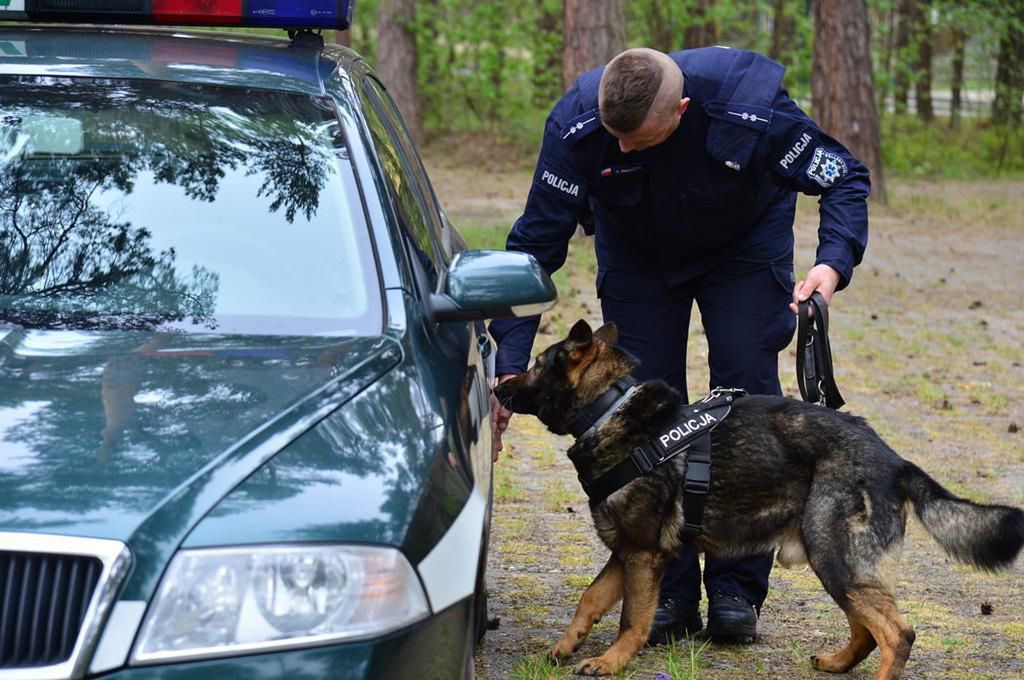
(629, 87)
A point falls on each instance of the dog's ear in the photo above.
(608, 333)
(581, 333)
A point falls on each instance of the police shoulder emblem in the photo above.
(826, 168)
(580, 126)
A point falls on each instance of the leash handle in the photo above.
(814, 373)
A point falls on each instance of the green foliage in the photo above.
(685, 660)
(665, 24)
(495, 68)
(977, 150)
(482, 65)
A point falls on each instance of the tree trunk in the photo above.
(595, 31)
(842, 84)
(901, 67)
(887, 68)
(959, 49)
(661, 30)
(548, 48)
(396, 60)
(701, 31)
(1006, 107)
(783, 31)
(923, 60)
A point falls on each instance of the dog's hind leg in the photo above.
(851, 542)
(642, 579)
(861, 644)
(874, 607)
(874, 619)
(597, 599)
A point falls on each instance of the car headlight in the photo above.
(217, 602)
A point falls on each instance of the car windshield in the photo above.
(151, 205)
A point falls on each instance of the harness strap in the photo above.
(696, 483)
(597, 411)
(814, 355)
(644, 458)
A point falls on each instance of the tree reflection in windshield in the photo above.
(66, 263)
(69, 258)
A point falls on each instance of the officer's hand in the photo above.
(821, 278)
(499, 420)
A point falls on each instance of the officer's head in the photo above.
(641, 98)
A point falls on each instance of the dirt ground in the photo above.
(927, 346)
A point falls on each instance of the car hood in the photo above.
(101, 431)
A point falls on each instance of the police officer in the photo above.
(686, 166)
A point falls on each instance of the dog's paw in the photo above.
(563, 649)
(832, 663)
(595, 666)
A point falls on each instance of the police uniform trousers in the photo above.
(744, 307)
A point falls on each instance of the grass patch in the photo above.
(953, 645)
(530, 612)
(512, 528)
(483, 234)
(505, 487)
(523, 553)
(930, 393)
(526, 587)
(578, 581)
(584, 559)
(539, 667)
(684, 659)
(992, 402)
(558, 496)
(979, 149)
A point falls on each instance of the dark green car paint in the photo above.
(482, 279)
(204, 423)
(388, 446)
(434, 650)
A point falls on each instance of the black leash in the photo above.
(814, 356)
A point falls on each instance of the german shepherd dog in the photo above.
(817, 485)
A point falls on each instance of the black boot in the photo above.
(731, 618)
(674, 618)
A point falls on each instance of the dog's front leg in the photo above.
(642, 579)
(597, 599)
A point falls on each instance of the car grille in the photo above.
(55, 594)
(43, 601)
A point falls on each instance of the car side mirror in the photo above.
(491, 284)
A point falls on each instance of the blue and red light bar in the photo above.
(291, 14)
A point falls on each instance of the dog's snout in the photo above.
(511, 393)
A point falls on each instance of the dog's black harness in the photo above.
(691, 432)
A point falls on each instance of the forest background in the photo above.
(947, 76)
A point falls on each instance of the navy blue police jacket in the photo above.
(722, 186)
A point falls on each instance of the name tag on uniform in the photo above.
(618, 170)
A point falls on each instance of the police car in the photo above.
(244, 382)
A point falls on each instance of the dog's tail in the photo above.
(986, 536)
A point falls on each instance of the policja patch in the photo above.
(826, 167)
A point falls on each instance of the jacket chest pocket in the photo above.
(725, 191)
(621, 194)
(716, 212)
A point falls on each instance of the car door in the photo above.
(430, 245)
